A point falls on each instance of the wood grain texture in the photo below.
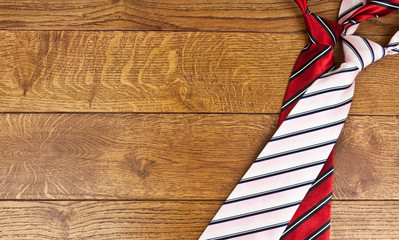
(365, 220)
(367, 157)
(176, 15)
(172, 156)
(167, 220)
(74, 71)
(163, 176)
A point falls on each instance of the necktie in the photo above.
(264, 201)
(310, 217)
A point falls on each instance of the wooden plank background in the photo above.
(97, 71)
(135, 119)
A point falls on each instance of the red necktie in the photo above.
(263, 204)
(307, 220)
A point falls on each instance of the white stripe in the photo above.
(275, 182)
(332, 170)
(386, 4)
(278, 163)
(303, 141)
(311, 38)
(329, 48)
(260, 211)
(342, 70)
(322, 91)
(307, 214)
(320, 231)
(354, 7)
(282, 171)
(267, 219)
(294, 98)
(268, 201)
(328, 29)
(267, 228)
(309, 121)
(321, 101)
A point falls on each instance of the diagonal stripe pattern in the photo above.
(267, 202)
(316, 193)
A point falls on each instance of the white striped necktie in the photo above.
(265, 200)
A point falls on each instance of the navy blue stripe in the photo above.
(320, 231)
(295, 151)
(287, 170)
(239, 234)
(250, 214)
(328, 173)
(327, 90)
(291, 101)
(349, 10)
(319, 110)
(370, 48)
(348, 23)
(351, 69)
(310, 63)
(301, 92)
(306, 47)
(312, 39)
(393, 44)
(387, 2)
(382, 5)
(354, 50)
(308, 215)
(261, 194)
(392, 5)
(326, 27)
(332, 124)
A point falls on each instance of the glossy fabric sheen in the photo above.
(286, 193)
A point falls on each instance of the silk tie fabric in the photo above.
(313, 222)
(270, 192)
(311, 217)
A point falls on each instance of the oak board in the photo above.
(173, 156)
(97, 71)
(167, 220)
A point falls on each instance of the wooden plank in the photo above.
(168, 220)
(176, 15)
(172, 156)
(365, 220)
(367, 158)
(75, 71)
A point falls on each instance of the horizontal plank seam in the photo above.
(365, 200)
(172, 31)
(153, 30)
(170, 200)
(186, 113)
